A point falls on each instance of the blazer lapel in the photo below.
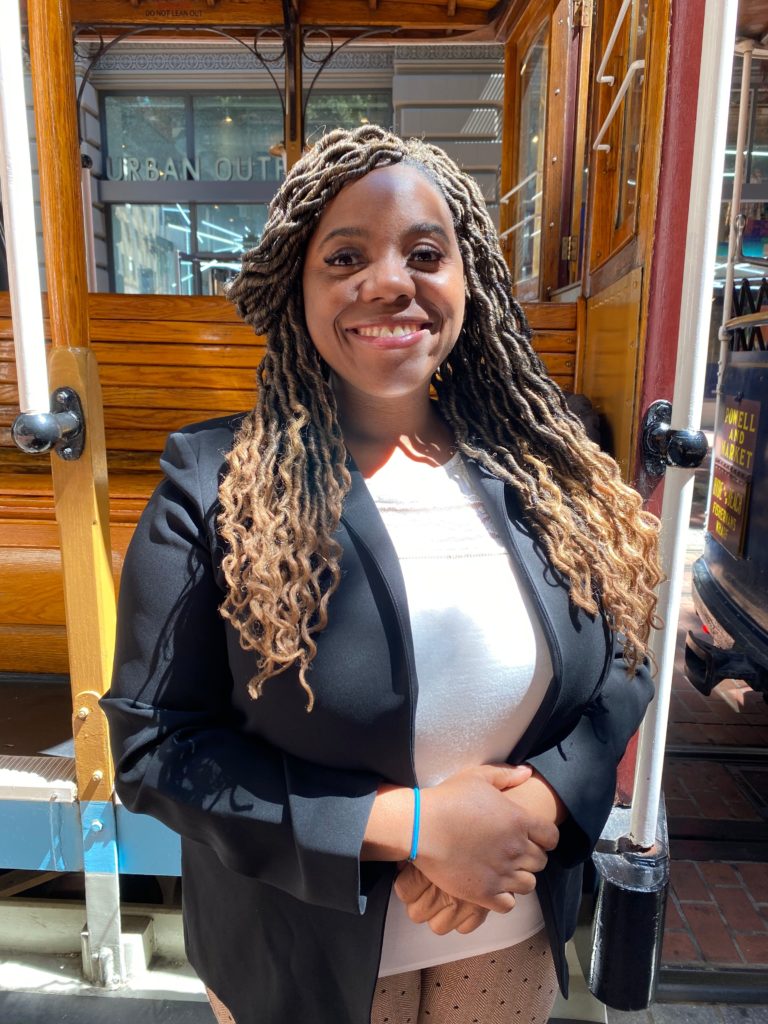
(367, 532)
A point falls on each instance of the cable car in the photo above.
(605, 181)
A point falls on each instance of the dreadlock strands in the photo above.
(287, 478)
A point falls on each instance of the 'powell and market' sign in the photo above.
(245, 168)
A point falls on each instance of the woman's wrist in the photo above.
(389, 832)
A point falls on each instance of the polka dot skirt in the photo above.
(509, 986)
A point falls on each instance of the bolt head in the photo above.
(97, 826)
(83, 713)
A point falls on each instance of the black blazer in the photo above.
(282, 920)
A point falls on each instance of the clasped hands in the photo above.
(455, 890)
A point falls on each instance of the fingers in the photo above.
(543, 833)
(473, 921)
(463, 917)
(528, 857)
(411, 883)
(506, 776)
(501, 903)
(521, 882)
(431, 902)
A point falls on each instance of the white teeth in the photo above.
(388, 332)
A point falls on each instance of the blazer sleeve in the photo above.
(178, 754)
(581, 768)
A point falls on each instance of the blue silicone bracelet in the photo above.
(416, 823)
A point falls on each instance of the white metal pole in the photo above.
(695, 305)
(19, 215)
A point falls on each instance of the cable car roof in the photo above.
(423, 19)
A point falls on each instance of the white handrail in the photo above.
(19, 214)
(692, 345)
(634, 67)
(601, 76)
(521, 184)
(520, 223)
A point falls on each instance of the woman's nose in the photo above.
(387, 280)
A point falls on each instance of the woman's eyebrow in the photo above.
(349, 232)
(424, 228)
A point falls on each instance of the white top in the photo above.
(481, 659)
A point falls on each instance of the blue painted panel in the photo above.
(145, 846)
(40, 835)
(99, 836)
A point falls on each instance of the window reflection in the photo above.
(527, 201)
(629, 153)
(194, 247)
(181, 249)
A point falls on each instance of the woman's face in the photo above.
(383, 284)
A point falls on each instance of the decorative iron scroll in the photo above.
(750, 298)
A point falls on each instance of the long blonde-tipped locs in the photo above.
(282, 496)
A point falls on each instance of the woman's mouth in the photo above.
(399, 335)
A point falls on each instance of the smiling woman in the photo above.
(384, 296)
(411, 537)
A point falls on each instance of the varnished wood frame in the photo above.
(580, 69)
(565, 133)
(529, 25)
(611, 252)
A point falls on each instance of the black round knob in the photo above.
(686, 448)
(35, 432)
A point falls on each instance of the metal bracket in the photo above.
(662, 446)
(63, 428)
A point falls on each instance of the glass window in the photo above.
(329, 110)
(228, 229)
(629, 155)
(233, 136)
(146, 138)
(174, 249)
(145, 241)
(194, 247)
(527, 204)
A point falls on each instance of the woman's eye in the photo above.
(426, 255)
(342, 259)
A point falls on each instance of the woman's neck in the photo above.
(374, 428)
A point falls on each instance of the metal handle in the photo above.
(663, 446)
(62, 429)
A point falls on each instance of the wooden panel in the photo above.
(200, 354)
(550, 316)
(611, 361)
(32, 535)
(173, 332)
(558, 364)
(31, 591)
(33, 649)
(554, 341)
(187, 380)
(168, 398)
(417, 14)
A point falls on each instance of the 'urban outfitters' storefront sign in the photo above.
(733, 467)
(242, 168)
